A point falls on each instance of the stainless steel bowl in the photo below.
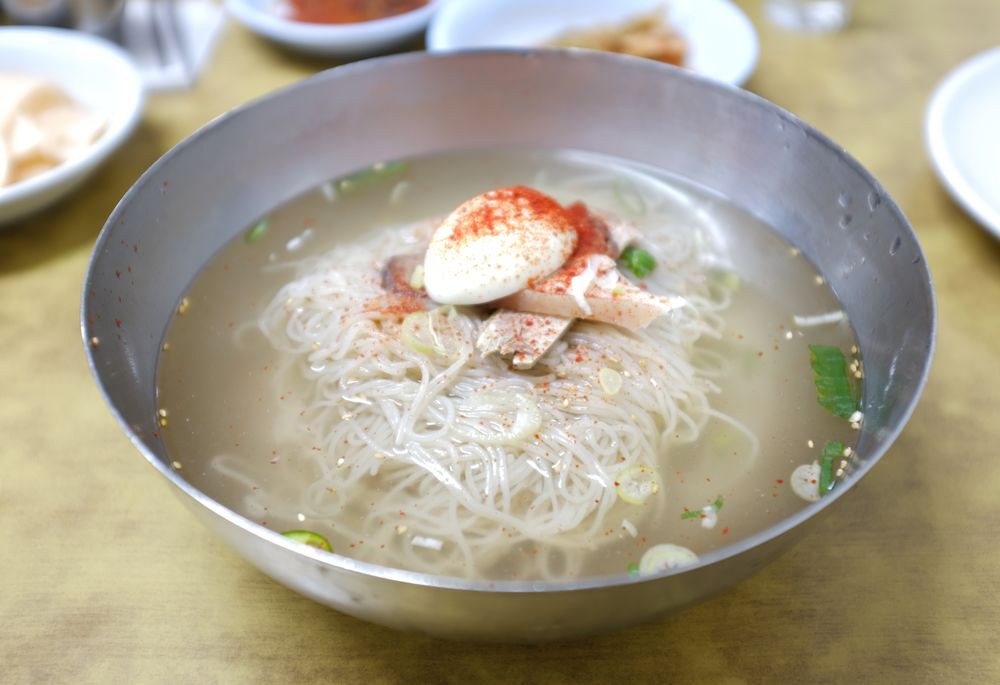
(208, 188)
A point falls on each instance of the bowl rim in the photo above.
(119, 128)
(413, 578)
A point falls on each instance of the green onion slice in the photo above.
(256, 232)
(698, 513)
(378, 172)
(610, 380)
(834, 390)
(636, 484)
(307, 537)
(434, 332)
(638, 261)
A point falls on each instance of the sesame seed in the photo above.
(819, 280)
(301, 517)
(400, 530)
(162, 412)
(811, 444)
(163, 421)
(788, 335)
(165, 347)
(95, 341)
(184, 305)
(340, 462)
(848, 451)
(176, 465)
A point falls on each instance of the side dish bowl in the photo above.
(330, 40)
(190, 203)
(95, 73)
(721, 40)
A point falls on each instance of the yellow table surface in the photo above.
(104, 578)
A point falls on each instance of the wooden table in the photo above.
(104, 578)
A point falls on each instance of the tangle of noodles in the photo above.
(467, 459)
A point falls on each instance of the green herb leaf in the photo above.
(639, 262)
(691, 514)
(834, 390)
(718, 503)
(307, 537)
(256, 232)
(378, 172)
(831, 450)
(633, 568)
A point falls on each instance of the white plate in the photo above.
(329, 40)
(963, 136)
(722, 41)
(96, 74)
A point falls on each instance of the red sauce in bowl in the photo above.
(350, 11)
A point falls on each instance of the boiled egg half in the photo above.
(495, 244)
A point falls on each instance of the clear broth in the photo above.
(217, 384)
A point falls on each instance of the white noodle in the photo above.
(414, 418)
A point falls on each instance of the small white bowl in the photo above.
(722, 42)
(330, 40)
(95, 73)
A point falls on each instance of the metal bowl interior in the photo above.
(763, 159)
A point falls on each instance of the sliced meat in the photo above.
(618, 232)
(522, 337)
(398, 273)
(400, 297)
(598, 292)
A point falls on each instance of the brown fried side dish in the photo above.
(649, 36)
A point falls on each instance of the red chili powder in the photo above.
(350, 11)
(502, 206)
(591, 239)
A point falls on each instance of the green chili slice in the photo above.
(831, 451)
(307, 537)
